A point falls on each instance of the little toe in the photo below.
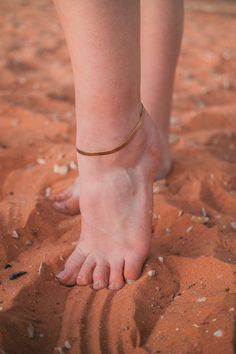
(69, 206)
(116, 279)
(72, 267)
(133, 268)
(101, 276)
(85, 276)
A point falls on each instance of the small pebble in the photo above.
(174, 139)
(29, 243)
(16, 275)
(200, 219)
(61, 170)
(8, 265)
(175, 121)
(218, 333)
(195, 325)
(180, 213)
(41, 161)
(67, 345)
(226, 84)
(201, 299)
(152, 273)
(30, 330)
(15, 234)
(48, 192)
(72, 165)
(204, 212)
(231, 309)
(213, 319)
(233, 224)
(161, 259)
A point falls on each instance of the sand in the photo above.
(189, 305)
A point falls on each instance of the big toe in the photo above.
(133, 268)
(68, 206)
(72, 267)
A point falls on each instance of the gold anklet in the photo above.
(126, 142)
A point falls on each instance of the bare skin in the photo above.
(161, 33)
(114, 192)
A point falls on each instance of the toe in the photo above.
(116, 279)
(101, 276)
(72, 267)
(62, 196)
(133, 268)
(68, 206)
(85, 276)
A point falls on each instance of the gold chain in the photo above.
(126, 142)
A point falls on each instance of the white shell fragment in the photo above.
(72, 165)
(30, 330)
(233, 224)
(161, 259)
(47, 192)
(67, 345)
(152, 273)
(42, 267)
(15, 234)
(218, 333)
(201, 299)
(60, 169)
(189, 229)
(41, 161)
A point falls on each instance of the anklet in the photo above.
(126, 142)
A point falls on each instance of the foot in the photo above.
(116, 213)
(67, 202)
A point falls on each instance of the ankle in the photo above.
(106, 128)
(142, 146)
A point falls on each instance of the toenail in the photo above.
(96, 284)
(60, 205)
(129, 281)
(111, 287)
(60, 275)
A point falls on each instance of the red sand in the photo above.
(192, 298)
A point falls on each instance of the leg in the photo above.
(161, 34)
(115, 190)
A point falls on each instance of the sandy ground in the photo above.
(189, 306)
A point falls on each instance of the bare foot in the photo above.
(116, 213)
(67, 202)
